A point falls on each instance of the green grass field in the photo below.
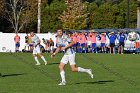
(113, 74)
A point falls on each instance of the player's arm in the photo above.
(38, 42)
(56, 51)
(69, 45)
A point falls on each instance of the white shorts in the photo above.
(36, 50)
(68, 58)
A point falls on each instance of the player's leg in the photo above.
(78, 69)
(114, 49)
(42, 57)
(62, 74)
(110, 49)
(36, 59)
(64, 61)
(122, 48)
(84, 47)
(93, 47)
(40, 54)
(78, 47)
(18, 45)
(15, 47)
(35, 56)
(96, 48)
(119, 48)
(28, 46)
(104, 48)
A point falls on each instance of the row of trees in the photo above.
(21, 15)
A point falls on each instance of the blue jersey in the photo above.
(121, 38)
(112, 38)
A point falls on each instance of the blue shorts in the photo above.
(75, 45)
(78, 44)
(93, 45)
(30, 45)
(17, 44)
(102, 44)
(83, 44)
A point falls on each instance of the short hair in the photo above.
(32, 31)
(59, 28)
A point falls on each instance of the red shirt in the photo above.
(17, 38)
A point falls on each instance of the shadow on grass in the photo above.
(11, 75)
(97, 82)
(53, 63)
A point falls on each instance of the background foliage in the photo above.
(72, 14)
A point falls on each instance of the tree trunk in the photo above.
(39, 16)
(138, 15)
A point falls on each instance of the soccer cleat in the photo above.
(46, 63)
(62, 83)
(90, 73)
(37, 64)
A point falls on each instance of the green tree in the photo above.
(50, 15)
(75, 16)
(110, 15)
(103, 16)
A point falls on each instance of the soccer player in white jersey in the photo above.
(65, 43)
(36, 48)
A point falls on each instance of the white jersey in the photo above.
(35, 39)
(64, 41)
(36, 49)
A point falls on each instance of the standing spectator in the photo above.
(93, 40)
(26, 42)
(112, 38)
(121, 39)
(137, 43)
(103, 42)
(89, 40)
(46, 42)
(83, 42)
(74, 38)
(17, 42)
(51, 45)
(79, 42)
(30, 43)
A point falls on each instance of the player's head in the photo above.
(59, 32)
(32, 33)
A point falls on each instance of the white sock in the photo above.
(36, 59)
(82, 69)
(62, 74)
(42, 57)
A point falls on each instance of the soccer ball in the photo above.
(132, 36)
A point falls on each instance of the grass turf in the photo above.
(113, 74)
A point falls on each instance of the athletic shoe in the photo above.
(37, 64)
(46, 63)
(90, 73)
(62, 83)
